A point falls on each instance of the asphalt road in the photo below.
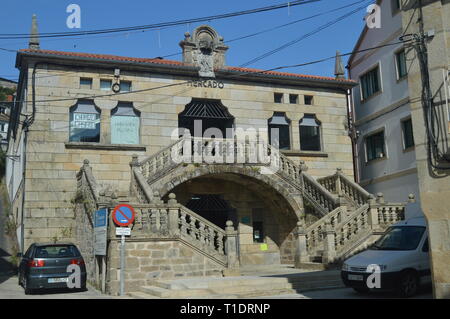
(9, 289)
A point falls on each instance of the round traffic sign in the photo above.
(123, 215)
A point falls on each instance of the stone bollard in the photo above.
(301, 250)
(411, 198)
(174, 229)
(329, 254)
(231, 251)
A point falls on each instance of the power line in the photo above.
(241, 74)
(162, 24)
(303, 37)
(281, 26)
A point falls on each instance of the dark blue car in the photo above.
(46, 266)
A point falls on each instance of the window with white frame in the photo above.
(400, 60)
(375, 146)
(370, 83)
(408, 136)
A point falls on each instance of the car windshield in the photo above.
(400, 238)
(56, 251)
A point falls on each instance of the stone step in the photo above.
(218, 282)
(141, 295)
(174, 293)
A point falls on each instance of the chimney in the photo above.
(339, 67)
(34, 35)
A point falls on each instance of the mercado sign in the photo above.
(213, 84)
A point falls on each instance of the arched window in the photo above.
(279, 131)
(84, 122)
(310, 133)
(125, 124)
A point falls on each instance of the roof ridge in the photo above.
(173, 62)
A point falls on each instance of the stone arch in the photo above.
(185, 173)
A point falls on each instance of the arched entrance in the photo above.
(265, 220)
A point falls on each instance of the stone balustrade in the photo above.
(341, 185)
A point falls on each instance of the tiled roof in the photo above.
(108, 57)
(287, 74)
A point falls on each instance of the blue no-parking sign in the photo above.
(123, 215)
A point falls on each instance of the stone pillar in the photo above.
(231, 251)
(373, 213)
(301, 251)
(329, 253)
(173, 215)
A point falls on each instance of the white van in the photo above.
(401, 255)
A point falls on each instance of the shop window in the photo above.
(310, 133)
(125, 124)
(84, 122)
(279, 131)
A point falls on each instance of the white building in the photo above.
(384, 142)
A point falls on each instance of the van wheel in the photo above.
(361, 290)
(408, 284)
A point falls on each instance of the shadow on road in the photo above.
(7, 269)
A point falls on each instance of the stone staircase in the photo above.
(351, 217)
(216, 288)
(240, 287)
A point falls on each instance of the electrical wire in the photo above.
(303, 37)
(243, 73)
(162, 24)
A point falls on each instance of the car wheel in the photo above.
(28, 291)
(408, 284)
(361, 290)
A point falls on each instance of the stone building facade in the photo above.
(93, 130)
(430, 20)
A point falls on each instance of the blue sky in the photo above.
(114, 13)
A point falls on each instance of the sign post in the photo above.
(123, 215)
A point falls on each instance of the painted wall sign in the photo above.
(213, 84)
(85, 120)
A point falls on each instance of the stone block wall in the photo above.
(156, 259)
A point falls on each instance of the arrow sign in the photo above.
(123, 215)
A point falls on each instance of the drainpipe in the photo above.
(353, 134)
